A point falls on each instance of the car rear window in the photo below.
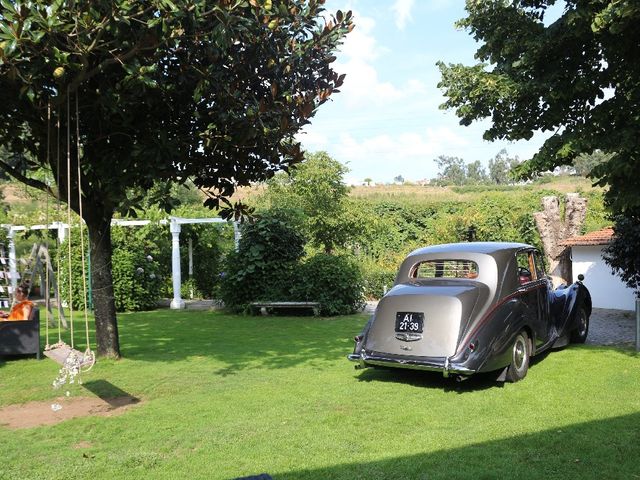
(446, 269)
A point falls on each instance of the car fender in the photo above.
(361, 338)
(566, 302)
(495, 336)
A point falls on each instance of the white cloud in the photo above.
(402, 10)
(362, 85)
(384, 156)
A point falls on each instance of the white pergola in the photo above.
(175, 227)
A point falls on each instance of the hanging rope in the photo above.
(72, 361)
(84, 273)
(69, 216)
(59, 215)
(46, 275)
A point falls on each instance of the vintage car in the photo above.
(472, 307)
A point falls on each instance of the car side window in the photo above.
(526, 267)
(540, 269)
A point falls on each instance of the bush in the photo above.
(136, 284)
(76, 285)
(334, 281)
(376, 279)
(136, 277)
(265, 265)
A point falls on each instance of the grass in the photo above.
(227, 396)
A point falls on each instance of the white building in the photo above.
(607, 290)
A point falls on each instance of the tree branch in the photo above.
(32, 182)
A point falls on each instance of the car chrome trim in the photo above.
(409, 337)
(432, 365)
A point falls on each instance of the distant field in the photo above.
(561, 184)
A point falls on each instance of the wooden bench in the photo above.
(265, 306)
(21, 337)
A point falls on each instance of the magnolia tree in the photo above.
(128, 93)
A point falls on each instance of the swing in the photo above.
(73, 361)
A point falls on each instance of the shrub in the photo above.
(376, 279)
(61, 264)
(136, 277)
(265, 265)
(135, 281)
(333, 280)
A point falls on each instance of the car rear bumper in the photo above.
(432, 364)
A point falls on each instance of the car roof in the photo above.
(489, 248)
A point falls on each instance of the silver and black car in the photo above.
(472, 307)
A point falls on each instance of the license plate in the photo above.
(409, 322)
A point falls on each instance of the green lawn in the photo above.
(226, 396)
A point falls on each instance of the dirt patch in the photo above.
(35, 414)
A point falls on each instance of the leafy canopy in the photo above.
(166, 90)
(577, 77)
(623, 253)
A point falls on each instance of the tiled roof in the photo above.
(599, 237)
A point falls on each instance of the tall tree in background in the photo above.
(165, 90)
(586, 162)
(452, 170)
(475, 172)
(501, 167)
(577, 76)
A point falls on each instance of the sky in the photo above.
(386, 120)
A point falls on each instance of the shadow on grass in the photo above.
(574, 451)
(108, 392)
(423, 379)
(237, 341)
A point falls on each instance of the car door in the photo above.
(533, 291)
(545, 290)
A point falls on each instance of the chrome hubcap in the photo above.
(519, 353)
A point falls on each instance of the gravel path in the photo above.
(612, 327)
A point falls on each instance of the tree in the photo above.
(475, 172)
(586, 162)
(577, 77)
(316, 188)
(501, 166)
(368, 181)
(157, 90)
(623, 252)
(398, 179)
(452, 170)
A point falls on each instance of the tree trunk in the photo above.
(102, 286)
(554, 229)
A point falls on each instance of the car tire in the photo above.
(579, 334)
(520, 355)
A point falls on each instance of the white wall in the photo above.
(607, 290)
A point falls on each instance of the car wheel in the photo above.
(520, 354)
(579, 334)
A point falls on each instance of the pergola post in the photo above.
(177, 302)
(13, 270)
